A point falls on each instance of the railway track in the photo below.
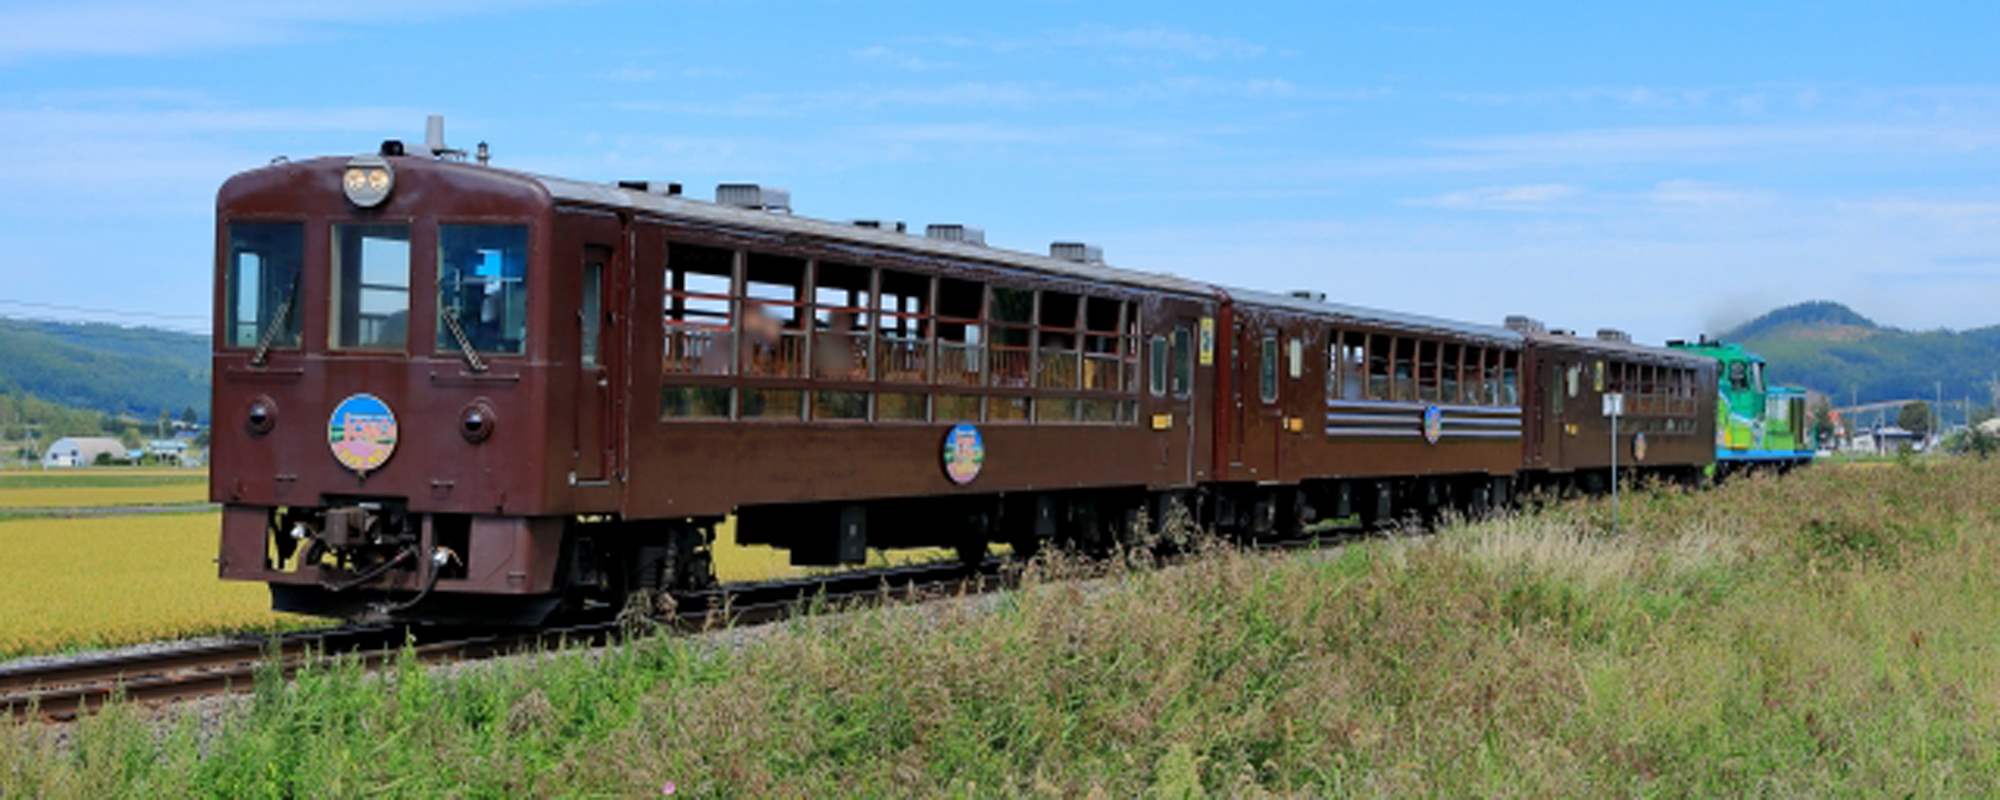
(64, 690)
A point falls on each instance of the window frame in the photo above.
(333, 299)
(226, 266)
(1267, 368)
(528, 322)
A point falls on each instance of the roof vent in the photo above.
(883, 225)
(1613, 335)
(1077, 251)
(1561, 332)
(754, 197)
(956, 233)
(1308, 294)
(1522, 323)
(663, 188)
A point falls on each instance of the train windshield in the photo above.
(262, 284)
(483, 288)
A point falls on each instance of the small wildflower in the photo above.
(667, 789)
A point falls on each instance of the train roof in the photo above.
(1633, 349)
(564, 189)
(1389, 319)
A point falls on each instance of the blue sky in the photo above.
(1665, 170)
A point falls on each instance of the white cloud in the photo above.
(1693, 194)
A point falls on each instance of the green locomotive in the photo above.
(1755, 425)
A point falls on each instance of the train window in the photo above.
(1379, 352)
(1158, 359)
(830, 404)
(1101, 361)
(1427, 371)
(1332, 366)
(1098, 409)
(903, 328)
(1449, 355)
(1267, 370)
(957, 408)
(841, 323)
(1128, 348)
(1007, 409)
(773, 404)
(696, 318)
(1757, 377)
(1295, 359)
(482, 280)
(1353, 361)
(1489, 376)
(1055, 409)
(1575, 378)
(773, 327)
(1597, 376)
(1405, 360)
(371, 287)
(590, 316)
(961, 345)
(1010, 316)
(1510, 387)
(1183, 378)
(695, 402)
(262, 284)
(1057, 365)
(900, 407)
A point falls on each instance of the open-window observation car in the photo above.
(448, 391)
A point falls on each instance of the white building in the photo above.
(81, 451)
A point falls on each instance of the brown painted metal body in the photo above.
(1669, 420)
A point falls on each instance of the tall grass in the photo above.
(1831, 632)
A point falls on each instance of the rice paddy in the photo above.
(110, 579)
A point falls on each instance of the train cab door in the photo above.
(599, 357)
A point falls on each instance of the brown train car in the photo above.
(539, 392)
(1360, 411)
(1667, 430)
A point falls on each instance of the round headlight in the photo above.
(475, 421)
(261, 416)
(368, 180)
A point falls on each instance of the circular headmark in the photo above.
(1639, 446)
(964, 454)
(362, 433)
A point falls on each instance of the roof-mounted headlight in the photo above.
(368, 180)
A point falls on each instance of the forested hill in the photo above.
(1828, 347)
(137, 371)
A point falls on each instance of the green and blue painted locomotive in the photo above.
(1755, 425)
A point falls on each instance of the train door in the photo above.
(600, 350)
(1259, 415)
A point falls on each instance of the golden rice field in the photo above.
(96, 488)
(68, 583)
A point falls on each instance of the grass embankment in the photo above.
(1830, 632)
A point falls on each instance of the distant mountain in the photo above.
(1828, 347)
(118, 370)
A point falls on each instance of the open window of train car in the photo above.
(961, 350)
(698, 321)
(840, 349)
(903, 346)
(1057, 361)
(1379, 347)
(261, 283)
(1104, 359)
(773, 342)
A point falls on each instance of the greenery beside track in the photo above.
(1828, 632)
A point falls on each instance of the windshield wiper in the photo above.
(465, 348)
(270, 336)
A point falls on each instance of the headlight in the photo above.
(261, 416)
(368, 180)
(475, 421)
